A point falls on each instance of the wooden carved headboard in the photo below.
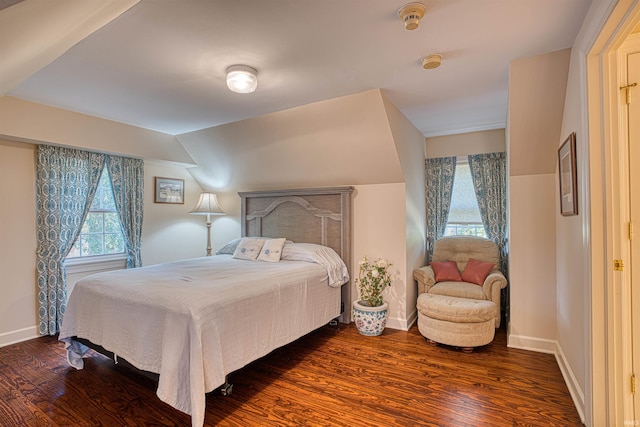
(310, 215)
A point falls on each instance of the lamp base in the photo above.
(208, 238)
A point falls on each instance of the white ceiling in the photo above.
(161, 64)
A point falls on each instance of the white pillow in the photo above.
(271, 250)
(248, 248)
(319, 254)
(229, 248)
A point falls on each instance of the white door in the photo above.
(633, 76)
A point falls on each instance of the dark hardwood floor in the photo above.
(331, 377)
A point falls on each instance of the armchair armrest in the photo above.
(425, 278)
(492, 285)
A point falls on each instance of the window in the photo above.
(464, 215)
(101, 232)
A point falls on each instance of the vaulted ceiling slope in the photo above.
(346, 140)
(34, 33)
(161, 65)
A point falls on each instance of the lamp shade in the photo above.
(242, 79)
(207, 205)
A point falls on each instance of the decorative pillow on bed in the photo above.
(229, 248)
(476, 271)
(249, 248)
(446, 271)
(319, 254)
(271, 250)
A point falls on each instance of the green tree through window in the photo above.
(101, 232)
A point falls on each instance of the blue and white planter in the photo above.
(370, 321)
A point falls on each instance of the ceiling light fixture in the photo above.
(242, 78)
(431, 61)
(411, 14)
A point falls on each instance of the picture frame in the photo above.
(169, 190)
(568, 176)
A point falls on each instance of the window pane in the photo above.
(101, 232)
(93, 223)
(111, 223)
(91, 244)
(113, 243)
(464, 215)
(464, 206)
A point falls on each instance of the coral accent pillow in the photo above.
(476, 271)
(446, 271)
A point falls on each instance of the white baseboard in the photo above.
(540, 345)
(20, 335)
(403, 324)
(572, 383)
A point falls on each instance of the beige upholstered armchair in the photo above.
(460, 249)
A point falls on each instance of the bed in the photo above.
(194, 321)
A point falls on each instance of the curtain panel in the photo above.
(439, 174)
(489, 173)
(127, 182)
(66, 181)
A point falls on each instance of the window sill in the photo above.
(95, 263)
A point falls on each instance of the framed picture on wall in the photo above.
(169, 190)
(568, 176)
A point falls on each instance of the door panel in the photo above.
(633, 76)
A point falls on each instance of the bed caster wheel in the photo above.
(226, 389)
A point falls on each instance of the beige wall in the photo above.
(30, 122)
(169, 232)
(17, 242)
(379, 232)
(537, 88)
(571, 251)
(341, 141)
(411, 152)
(532, 258)
(463, 144)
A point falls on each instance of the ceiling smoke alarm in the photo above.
(431, 61)
(411, 14)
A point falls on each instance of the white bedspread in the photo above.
(194, 321)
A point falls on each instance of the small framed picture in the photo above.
(568, 176)
(169, 190)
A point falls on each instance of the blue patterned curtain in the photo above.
(66, 181)
(127, 181)
(438, 177)
(489, 173)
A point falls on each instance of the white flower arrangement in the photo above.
(373, 279)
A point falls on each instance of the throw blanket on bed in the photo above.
(195, 321)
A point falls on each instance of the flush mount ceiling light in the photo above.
(411, 14)
(242, 79)
(431, 61)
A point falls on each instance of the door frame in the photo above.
(608, 325)
(629, 328)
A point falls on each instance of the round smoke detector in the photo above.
(411, 14)
(431, 61)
